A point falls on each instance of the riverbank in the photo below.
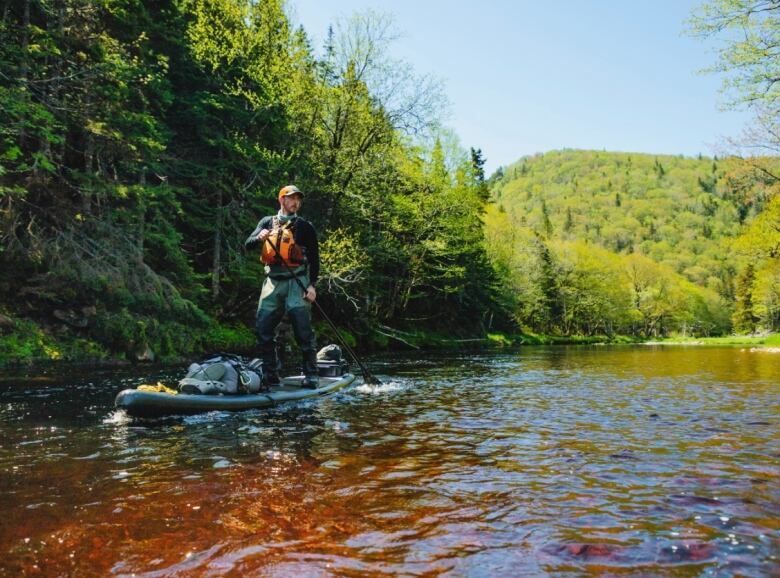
(771, 339)
(23, 343)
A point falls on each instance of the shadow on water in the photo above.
(548, 461)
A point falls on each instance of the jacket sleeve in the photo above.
(311, 244)
(251, 241)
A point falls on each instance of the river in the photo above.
(565, 461)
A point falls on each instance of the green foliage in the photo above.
(660, 260)
(142, 141)
(325, 334)
(760, 240)
(755, 340)
(752, 28)
(27, 342)
(748, 32)
(499, 339)
(757, 296)
(744, 318)
(232, 338)
(24, 343)
(766, 296)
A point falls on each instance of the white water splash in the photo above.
(337, 426)
(384, 387)
(117, 417)
(206, 418)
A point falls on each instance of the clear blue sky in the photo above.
(527, 76)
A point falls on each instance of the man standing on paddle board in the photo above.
(290, 251)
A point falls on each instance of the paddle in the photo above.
(368, 377)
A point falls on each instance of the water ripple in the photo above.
(561, 461)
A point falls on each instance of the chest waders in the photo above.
(369, 377)
(282, 293)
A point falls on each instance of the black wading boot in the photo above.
(311, 379)
(270, 369)
(271, 378)
(265, 328)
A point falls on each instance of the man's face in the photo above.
(291, 203)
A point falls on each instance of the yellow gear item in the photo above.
(159, 387)
(280, 245)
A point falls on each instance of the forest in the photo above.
(141, 142)
(646, 245)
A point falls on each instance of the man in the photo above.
(291, 254)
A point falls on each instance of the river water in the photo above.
(567, 461)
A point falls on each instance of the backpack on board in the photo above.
(223, 374)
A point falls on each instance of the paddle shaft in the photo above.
(368, 377)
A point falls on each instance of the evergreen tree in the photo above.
(546, 223)
(550, 315)
(569, 224)
(744, 317)
(478, 171)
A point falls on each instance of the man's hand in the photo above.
(263, 235)
(311, 294)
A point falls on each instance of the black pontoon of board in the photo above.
(154, 404)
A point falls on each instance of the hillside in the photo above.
(674, 218)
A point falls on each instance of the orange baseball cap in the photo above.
(289, 190)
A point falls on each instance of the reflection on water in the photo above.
(561, 461)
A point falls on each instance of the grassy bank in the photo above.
(513, 340)
(543, 339)
(771, 340)
(432, 340)
(23, 342)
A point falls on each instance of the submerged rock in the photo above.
(144, 353)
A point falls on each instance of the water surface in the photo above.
(570, 461)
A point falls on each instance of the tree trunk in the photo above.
(142, 216)
(24, 67)
(217, 257)
(24, 64)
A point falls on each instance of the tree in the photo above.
(758, 299)
(766, 296)
(411, 103)
(744, 317)
(760, 240)
(569, 223)
(478, 171)
(552, 307)
(232, 109)
(546, 223)
(140, 141)
(748, 59)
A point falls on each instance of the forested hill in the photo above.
(638, 243)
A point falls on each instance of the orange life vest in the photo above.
(280, 246)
